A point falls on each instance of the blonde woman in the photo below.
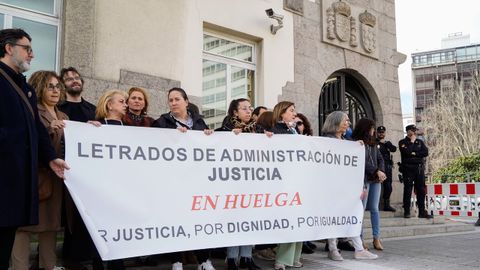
(111, 107)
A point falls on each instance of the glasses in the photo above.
(71, 79)
(299, 123)
(27, 48)
(52, 87)
(246, 108)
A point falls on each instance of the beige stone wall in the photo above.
(165, 38)
(316, 60)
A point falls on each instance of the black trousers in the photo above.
(387, 184)
(414, 176)
(201, 254)
(7, 237)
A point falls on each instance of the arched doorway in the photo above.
(343, 92)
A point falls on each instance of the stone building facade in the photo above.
(328, 55)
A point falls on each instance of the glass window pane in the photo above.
(214, 102)
(471, 52)
(2, 18)
(44, 43)
(45, 6)
(242, 83)
(461, 54)
(227, 48)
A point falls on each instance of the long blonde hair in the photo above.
(105, 99)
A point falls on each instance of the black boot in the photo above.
(424, 214)
(387, 207)
(311, 245)
(231, 264)
(248, 263)
(306, 249)
(344, 244)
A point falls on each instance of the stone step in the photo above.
(400, 221)
(413, 230)
(383, 214)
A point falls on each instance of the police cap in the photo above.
(411, 127)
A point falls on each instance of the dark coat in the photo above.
(167, 121)
(50, 208)
(23, 142)
(81, 112)
(373, 163)
(281, 128)
(412, 153)
(146, 121)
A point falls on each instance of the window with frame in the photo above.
(41, 20)
(228, 73)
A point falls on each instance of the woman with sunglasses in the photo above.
(302, 125)
(49, 91)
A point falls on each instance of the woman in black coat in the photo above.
(183, 119)
(179, 116)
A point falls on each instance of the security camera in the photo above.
(269, 12)
(273, 15)
(279, 18)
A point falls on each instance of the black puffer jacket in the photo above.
(166, 120)
(281, 128)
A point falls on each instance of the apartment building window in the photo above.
(228, 73)
(41, 20)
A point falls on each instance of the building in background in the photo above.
(457, 61)
(328, 54)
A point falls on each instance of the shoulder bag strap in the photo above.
(19, 91)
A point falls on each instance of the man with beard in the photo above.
(386, 148)
(24, 141)
(77, 244)
(77, 108)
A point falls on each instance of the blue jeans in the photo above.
(371, 203)
(243, 251)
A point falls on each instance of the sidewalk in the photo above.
(446, 251)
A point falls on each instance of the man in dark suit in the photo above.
(24, 141)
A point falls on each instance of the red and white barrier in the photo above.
(453, 199)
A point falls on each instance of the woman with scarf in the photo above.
(239, 120)
(137, 103)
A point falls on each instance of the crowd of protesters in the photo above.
(59, 97)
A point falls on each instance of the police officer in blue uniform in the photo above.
(413, 152)
(386, 148)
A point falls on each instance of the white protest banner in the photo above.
(148, 190)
